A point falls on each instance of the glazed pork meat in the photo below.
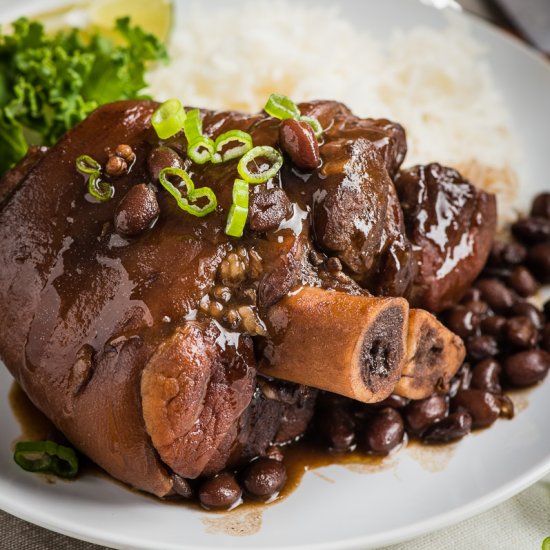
(166, 350)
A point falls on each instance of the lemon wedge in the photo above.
(154, 17)
(100, 15)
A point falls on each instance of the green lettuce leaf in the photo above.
(49, 83)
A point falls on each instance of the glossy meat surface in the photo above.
(142, 349)
(451, 225)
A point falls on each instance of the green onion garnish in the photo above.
(87, 165)
(282, 107)
(314, 123)
(193, 125)
(210, 206)
(201, 150)
(243, 139)
(265, 171)
(168, 119)
(46, 457)
(240, 193)
(187, 203)
(238, 213)
(98, 189)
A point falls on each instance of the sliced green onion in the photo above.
(46, 456)
(201, 150)
(314, 123)
(236, 220)
(238, 213)
(281, 107)
(170, 187)
(244, 140)
(240, 193)
(265, 171)
(210, 206)
(193, 125)
(186, 203)
(168, 119)
(87, 165)
(99, 189)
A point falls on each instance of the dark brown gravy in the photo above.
(299, 458)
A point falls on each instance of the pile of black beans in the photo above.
(507, 340)
(261, 481)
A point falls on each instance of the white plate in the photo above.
(342, 508)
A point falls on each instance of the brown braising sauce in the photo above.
(300, 458)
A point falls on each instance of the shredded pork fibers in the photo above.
(436, 83)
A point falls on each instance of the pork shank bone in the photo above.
(434, 354)
(451, 225)
(350, 345)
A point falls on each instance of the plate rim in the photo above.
(409, 532)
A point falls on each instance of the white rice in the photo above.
(436, 83)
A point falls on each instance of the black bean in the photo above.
(520, 332)
(461, 380)
(527, 367)
(384, 432)
(221, 491)
(496, 294)
(336, 427)
(394, 401)
(181, 486)
(478, 307)
(298, 140)
(464, 376)
(421, 414)
(451, 428)
(507, 253)
(526, 309)
(480, 347)
(486, 375)
(472, 294)
(506, 406)
(264, 477)
(541, 206)
(523, 282)
(493, 325)
(454, 386)
(462, 321)
(532, 230)
(162, 157)
(545, 338)
(481, 405)
(502, 273)
(136, 211)
(538, 259)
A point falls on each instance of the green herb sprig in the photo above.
(49, 83)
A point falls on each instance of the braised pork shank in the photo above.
(166, 350)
